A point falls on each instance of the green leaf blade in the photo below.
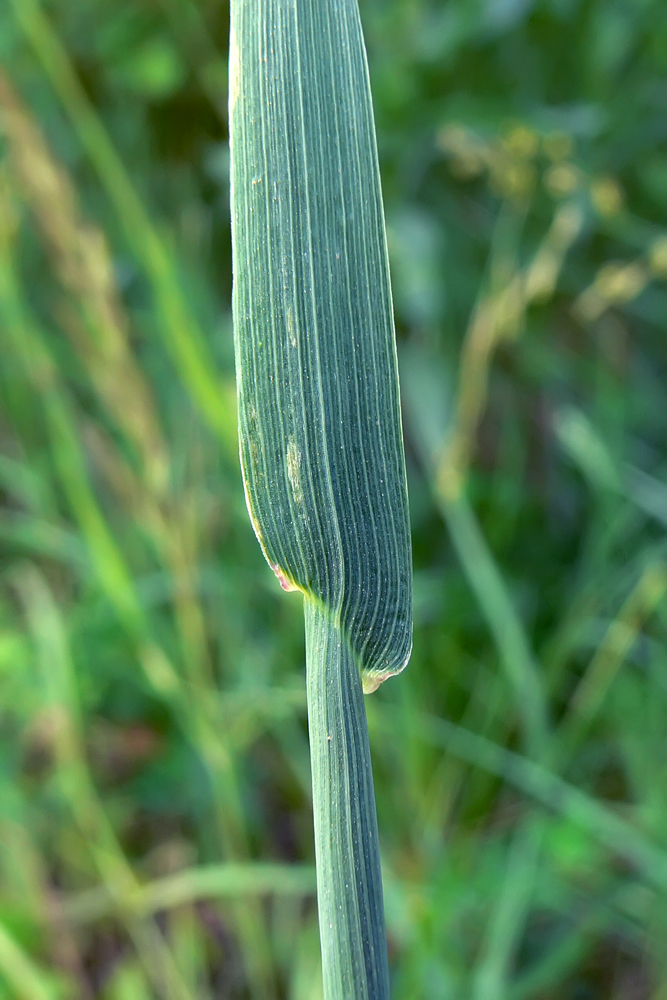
(321, 442)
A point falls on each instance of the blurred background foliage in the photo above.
(155, 826)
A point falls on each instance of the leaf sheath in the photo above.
(349, 880)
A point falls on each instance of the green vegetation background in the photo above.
(155, 823)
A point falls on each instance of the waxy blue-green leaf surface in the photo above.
(320, 430)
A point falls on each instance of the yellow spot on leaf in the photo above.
(294, 471)
(290, 326)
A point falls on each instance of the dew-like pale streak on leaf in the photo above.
(319, 417)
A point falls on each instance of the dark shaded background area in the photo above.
(155, 824)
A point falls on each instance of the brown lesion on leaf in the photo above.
(284, 582)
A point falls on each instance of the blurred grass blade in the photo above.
(24, 339)
(61, 700)
(319, 418)
(182, 334)
(20, 973)
(100, 331)
(510, 913)
(537, 782)
(223, 881)
(504, 622)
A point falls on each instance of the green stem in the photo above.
(349, 879)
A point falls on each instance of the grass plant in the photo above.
(319, 420)
(155, 788)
